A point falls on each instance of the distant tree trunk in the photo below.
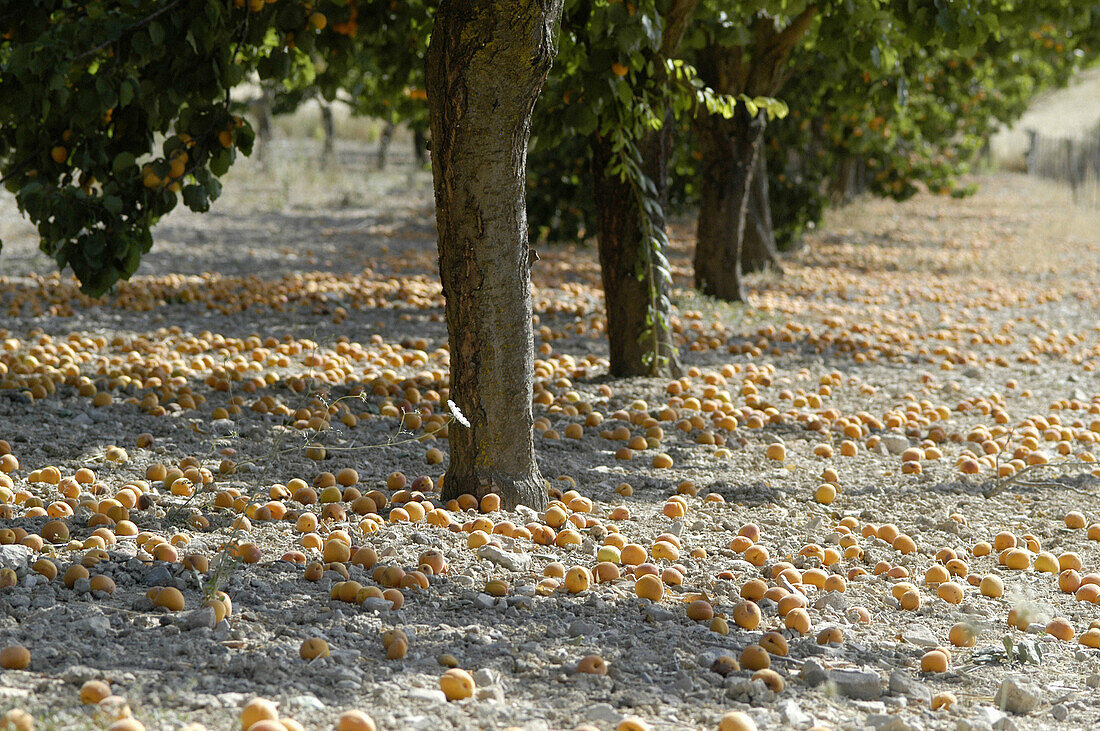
(328, 133)
(639, 336)
(487, 61)
(384, 140)
(265, 124)
(420, 146)
(729, 148)
(626, 282)
(759, 251)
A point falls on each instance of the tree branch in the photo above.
(676, 22)
(130, 28)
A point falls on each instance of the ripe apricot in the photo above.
(1069, 581)
(962, 634)
(93, 691)
(991, 586)
(355, 720)
(592, 665)
(747, 615)
(934, 661)
(578, 579)
(1061, 628)
(737, 721)
(170, 598)
(755, 657)
(313, 647)
(772, 680)
(457, 684)
(15, 657)
(945, 700)
(950, 592)
(700, 610)
(258, 709)
(649, 587)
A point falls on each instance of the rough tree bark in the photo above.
(729, 148)
(721, 254)
(487, 61)
(626, 286)
(759, 250)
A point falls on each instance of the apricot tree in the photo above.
(111, 113)
(487, 62)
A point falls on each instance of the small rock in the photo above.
(1060, 712)
(427, 694)
(377, 604)
(603, 712)
(305, 702)
(657, 613)
(832, 600)
(813, 673)
(1017, 695)
(158, 576)
(14, 556)
(902, 684)
(487, 676)
(895, 443)
(920, 636)
(485, 601)
(888, 722)
(527, 513)
(583, 627)
(972, 724)
(745, 690)
(97, 626)
(1093, 681)
(197, 618)
(490, 693)
(793, 715)
(858, 684)
(510, 561)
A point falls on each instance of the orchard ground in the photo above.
(954, 335)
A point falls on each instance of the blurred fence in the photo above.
(1074, 162)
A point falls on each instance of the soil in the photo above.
(986, 306)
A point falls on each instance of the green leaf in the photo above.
(122, 163)
(126, 93)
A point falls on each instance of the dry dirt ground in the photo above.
(954, 335)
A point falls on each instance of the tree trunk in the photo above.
(626, 280)
(487, 61)
(729, 148)
(265, 124)
(384, 144)
(759, 250)
(420, 146)
(328, 133)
